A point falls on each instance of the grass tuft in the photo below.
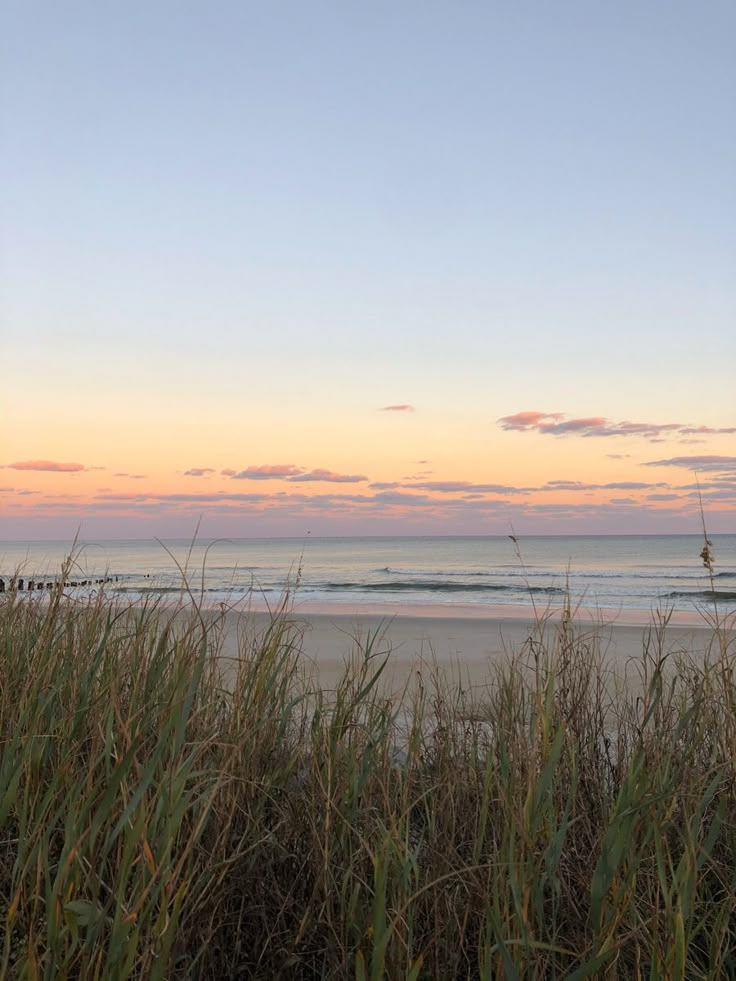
(165, 813)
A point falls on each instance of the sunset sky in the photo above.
(367, 268)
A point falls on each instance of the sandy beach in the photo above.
(465, 642)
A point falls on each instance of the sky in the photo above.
(367, 268)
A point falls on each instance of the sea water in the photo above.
(629, 572)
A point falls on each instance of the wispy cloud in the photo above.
(275, 471)
(716, 481)
(425, 507)
(724, 494)
(182, 498)
(399, 497)
(46, 465)
(709, 462)
(624, 485)
(198, 471)
(524, 421)
(402, 407)
(467, 487)
(464, 486)
(327, 476)
(706, 430)
(131, 476)
(557, 424)
(293, 474)
(582, 485)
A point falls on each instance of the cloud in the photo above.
(626, 485)
(717, 483)
(652, 429)
(460, 486)
(277, 500)
(183, 498)
(705, 430)
(524, 421)
(131, 476)
(466, 487)
(442, 508)
(602, 427)
(709, 462)
(198, 471)
(724, 494)
(585, 426)
(277, 471)
(329, 477)
(46, 465)
(579, 485)
(294, 474)
(398, 497)
(404, 407)
(556, 424)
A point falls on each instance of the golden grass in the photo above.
(157, 821)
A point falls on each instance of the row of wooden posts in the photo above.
(20, 585)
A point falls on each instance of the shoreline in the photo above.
(582, 614)
(624, 616)
(462, 639)
(496, 613)
(470, 647)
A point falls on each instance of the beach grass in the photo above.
(166, 812)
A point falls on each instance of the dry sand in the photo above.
(464, 642)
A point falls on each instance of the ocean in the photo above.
(626, 572)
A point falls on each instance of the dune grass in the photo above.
(165, 814)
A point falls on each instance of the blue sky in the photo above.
(272, 210)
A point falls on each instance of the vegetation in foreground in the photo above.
(165, 814)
